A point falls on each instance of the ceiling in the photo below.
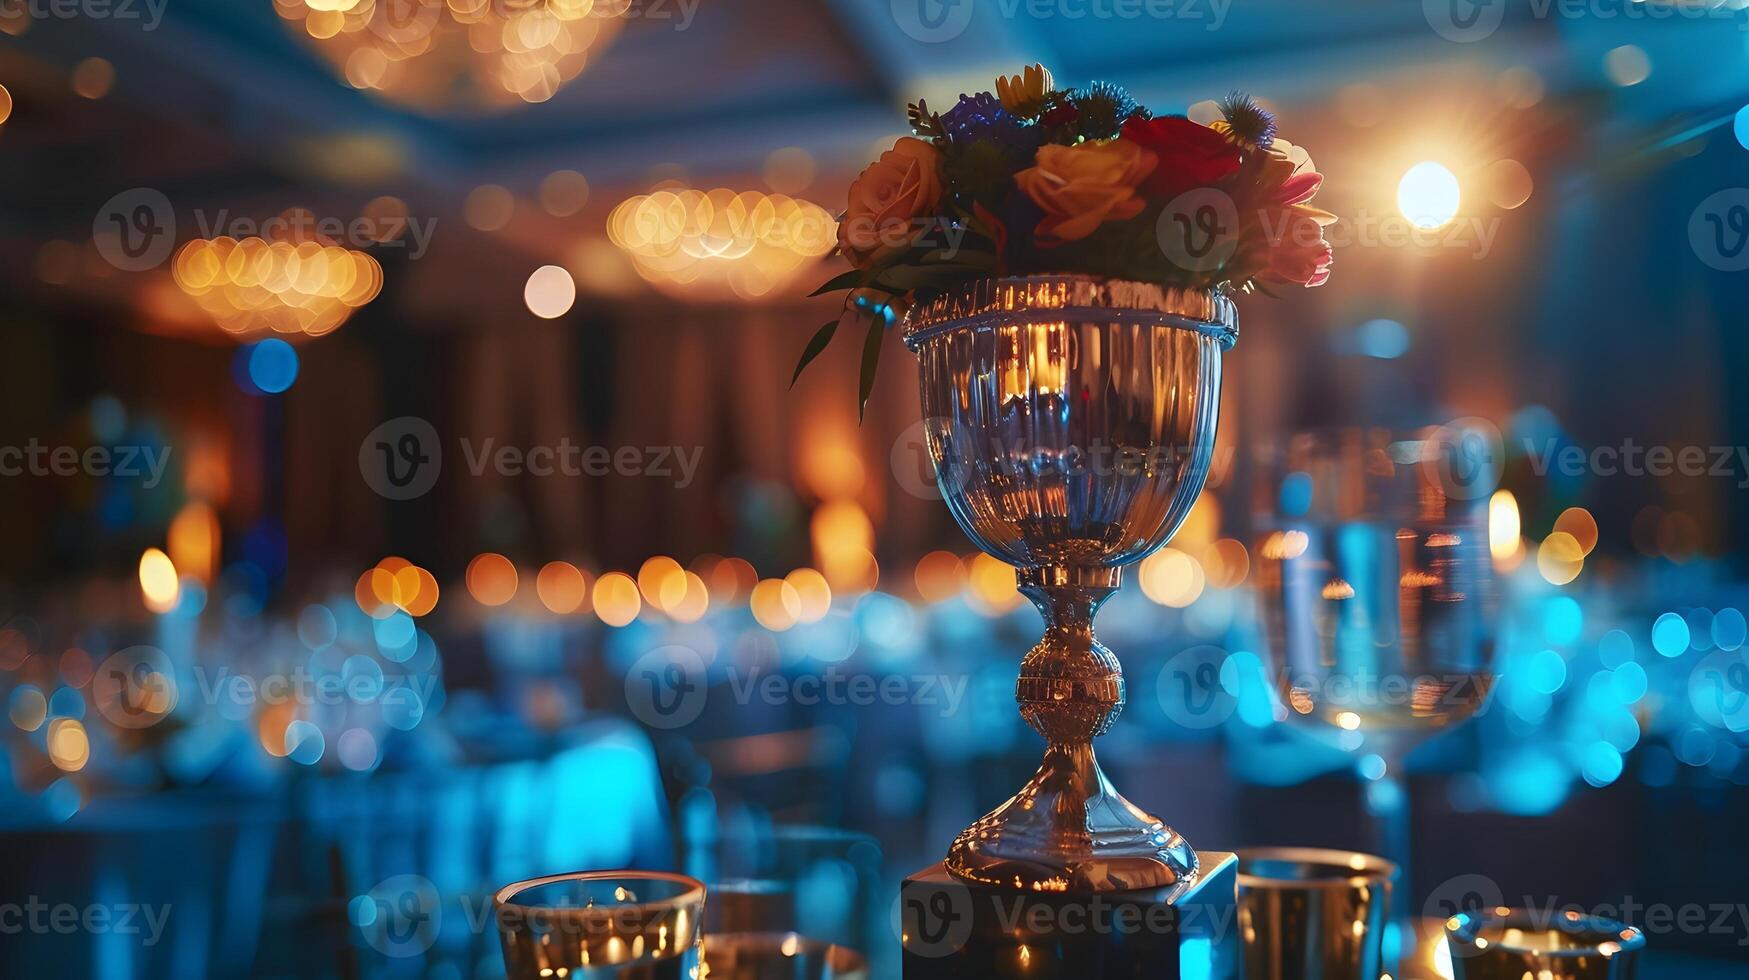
(221, 106)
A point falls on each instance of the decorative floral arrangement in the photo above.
(1032, 179)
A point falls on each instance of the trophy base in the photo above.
(953, 929)
(1027, 844)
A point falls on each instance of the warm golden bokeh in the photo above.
(491, 579)
(431, 53)
(254, 286)
(699, 244)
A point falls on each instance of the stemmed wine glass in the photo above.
(1377, 597)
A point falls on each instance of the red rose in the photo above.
(1191, 154)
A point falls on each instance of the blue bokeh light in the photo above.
(1382, 338)
(1670, 635)
(268, 367)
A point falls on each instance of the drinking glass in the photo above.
(602, 925)
(1507, 944)
(1376, 590)
(1308, 914)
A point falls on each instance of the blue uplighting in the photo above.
(1383, 339)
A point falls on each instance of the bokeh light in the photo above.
(491, 579)
(562, 587)
(1428, 195)
(564, 193)
(1171, 578)
(159, 585)
(1559, 559)
(433, 56)
(488, 207)
(93, 78)
(697, 244)
(69, 745)
(550, 292)
(254, 286)
(1627, 65)
(940, 576)
(617, 601)
(271, 365)
(776, 605)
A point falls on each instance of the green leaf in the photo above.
(845, 280)
(871, 359)
(822, 337)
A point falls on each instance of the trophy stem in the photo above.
(1068, 829)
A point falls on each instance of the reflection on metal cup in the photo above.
(1308, 914)
(1509, 944)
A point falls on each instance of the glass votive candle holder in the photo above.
(1510, 944)
(602, 925)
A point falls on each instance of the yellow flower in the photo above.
(1024, 94)
(888, 200)
(1080, 187)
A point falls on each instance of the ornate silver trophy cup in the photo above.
(1071, 421)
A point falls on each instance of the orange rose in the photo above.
(887, 199)
(1081, 187)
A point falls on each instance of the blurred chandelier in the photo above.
(696, 243)
(254, 286)
(437, 54)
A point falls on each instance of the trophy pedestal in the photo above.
(955, 929)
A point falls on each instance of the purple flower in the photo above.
(981, 117)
